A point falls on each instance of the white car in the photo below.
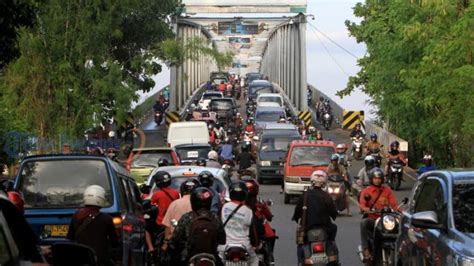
(206, 98)
(270, 99)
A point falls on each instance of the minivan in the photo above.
(187, 133)
(259, 86)
(268, 98)
(53, 187)
(304, 157)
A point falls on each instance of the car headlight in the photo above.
(464, 261)
(292, 179)
(389, 222)
(265, 163)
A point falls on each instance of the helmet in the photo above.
(373, 136)
(394, 145)
(369, 162)
(427, 159)
(321, 98)
(111, 134)
(201, 198)
(249, 121)
(357, 126)
(252, 186)
(17, 199)
(163, 162)
(193, 106)
(162, 179)
(318, 178)
(144, 189)
(210, 126)
(212, 155)
(237, 114)
(201, 162)
(376, 172)
(340, 146)
(94, 196)
(238, 191)
(206, 178)
(335, 157)
(188, 186)
(245, 146)
(311, 130)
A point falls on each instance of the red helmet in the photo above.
(252, 186)
(17, 199)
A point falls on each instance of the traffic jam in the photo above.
(194, 199)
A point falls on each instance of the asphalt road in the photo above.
(348, 235)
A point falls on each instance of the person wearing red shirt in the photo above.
(222, 87)
(163, 197)
(376, 196)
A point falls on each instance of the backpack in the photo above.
(202, 235)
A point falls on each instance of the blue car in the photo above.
(53, 187)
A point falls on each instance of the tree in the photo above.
(419, 72)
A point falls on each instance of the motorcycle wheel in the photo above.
(397, 182)
(286, 199)
(327, 126)
(357, 155)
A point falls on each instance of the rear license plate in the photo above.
(319, 258)
(193, 154)
(56, 230)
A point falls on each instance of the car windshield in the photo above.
(149, 158)
(268, 116)
(209, 96)
(463, 207)
(192, 153)
(311, 155)
(275, 144)
(221, 105)
(61, 183)
(219, 80)
(260, 89)
(270, 99)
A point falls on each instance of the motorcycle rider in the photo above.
(245, 158)
(163, 197)
(162, 162)
(320, 209)
(212, 134)
(206, 179)
(282, 119)
(213, 160)
(182, 240)
(379, 196)
(428, 165)
(151, 228)
(311, 133)
(226, 150)
(238, 122)
(357, 132)
(334, 168)
(319, 108)
(159, 106)
(363, 176)
(319, 135)
(372, 144)
(201, 162)
(249, 127)
(343, 158)
(91, 227)
(394, 154)
(241, 225)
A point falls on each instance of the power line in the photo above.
(334, 42)
(330, 55)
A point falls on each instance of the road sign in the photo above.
(306, 117)
(171, 117)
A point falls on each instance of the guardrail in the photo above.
(195, 96)
(385, 137)
(336, 108)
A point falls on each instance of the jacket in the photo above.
(386, 198)
(320, 209)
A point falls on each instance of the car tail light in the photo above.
(128, 167)
(318, 247)
(118, 225)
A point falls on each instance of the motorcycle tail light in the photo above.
(236, 256)
(318, 247)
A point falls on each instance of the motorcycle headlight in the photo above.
(265, 163)
(330, 190)
(464, 261)
(336, 190)
(394, 169)
(389, 222)
(327, 116)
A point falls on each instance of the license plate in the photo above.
(319, 258)
(193, 154)
(56, 230)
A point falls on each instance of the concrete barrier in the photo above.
(385, 137)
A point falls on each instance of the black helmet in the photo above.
(188, 186)
(162, 179)
(373, 136)
(201, 198)
(144, 189)
(163, 162)
(369, 162)
(394, 145)
(245, 146)
(238, 191)
(201, 162)
(376, 172)
(252, 186)
(206, 178)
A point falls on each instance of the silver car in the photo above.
(438, 226)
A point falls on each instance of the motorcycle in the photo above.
(236, 255)
(395, 173)
(158, 118)
(357, 147)
(322, 251)
(202, 259)
(337, 190)
(327, 120)
(386, 230)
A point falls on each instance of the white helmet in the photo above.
(212, 155)
(111, 134)
(94, 196)
(340, 146)
(319, 178)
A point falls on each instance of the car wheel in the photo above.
(286, 199)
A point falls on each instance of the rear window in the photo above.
(311, 155)
(221, 105)
(270, 100)
(150, 158)
(209, 96)
(192, 153)
(269, 116)
(61, 183)
(463, 207)
(260, 89)
(276, 144)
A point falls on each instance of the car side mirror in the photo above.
(426, 219)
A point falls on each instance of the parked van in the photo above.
(304, 157)
(187, 133)
(270, 98)
(53, 188)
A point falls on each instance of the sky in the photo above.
(328, 66)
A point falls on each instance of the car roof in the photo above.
(222, 99)
(268, 104)
(279, 126)
(281, 133)
(213, 92)
(270, 108)
(192, 145)
(457, 175)
(153, 149)
(259, 82)
(325, 143)
(268, 94)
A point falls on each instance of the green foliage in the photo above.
(419, 73)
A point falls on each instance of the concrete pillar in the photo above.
(302, 56)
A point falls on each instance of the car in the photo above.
(53, 187)
(206, 98)
(190, 153)
(270, 98)
(180, 133)
(438, 226)
(264, 115)
(304, 157)
(142, 161)
(259, 86)
(272, 150)
(251, 76)
(179, 174)
(225, 108)
(219, 74)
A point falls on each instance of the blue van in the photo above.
(53, 187)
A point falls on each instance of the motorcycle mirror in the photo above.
(174, 223)
(367, 197)
(405, 200)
